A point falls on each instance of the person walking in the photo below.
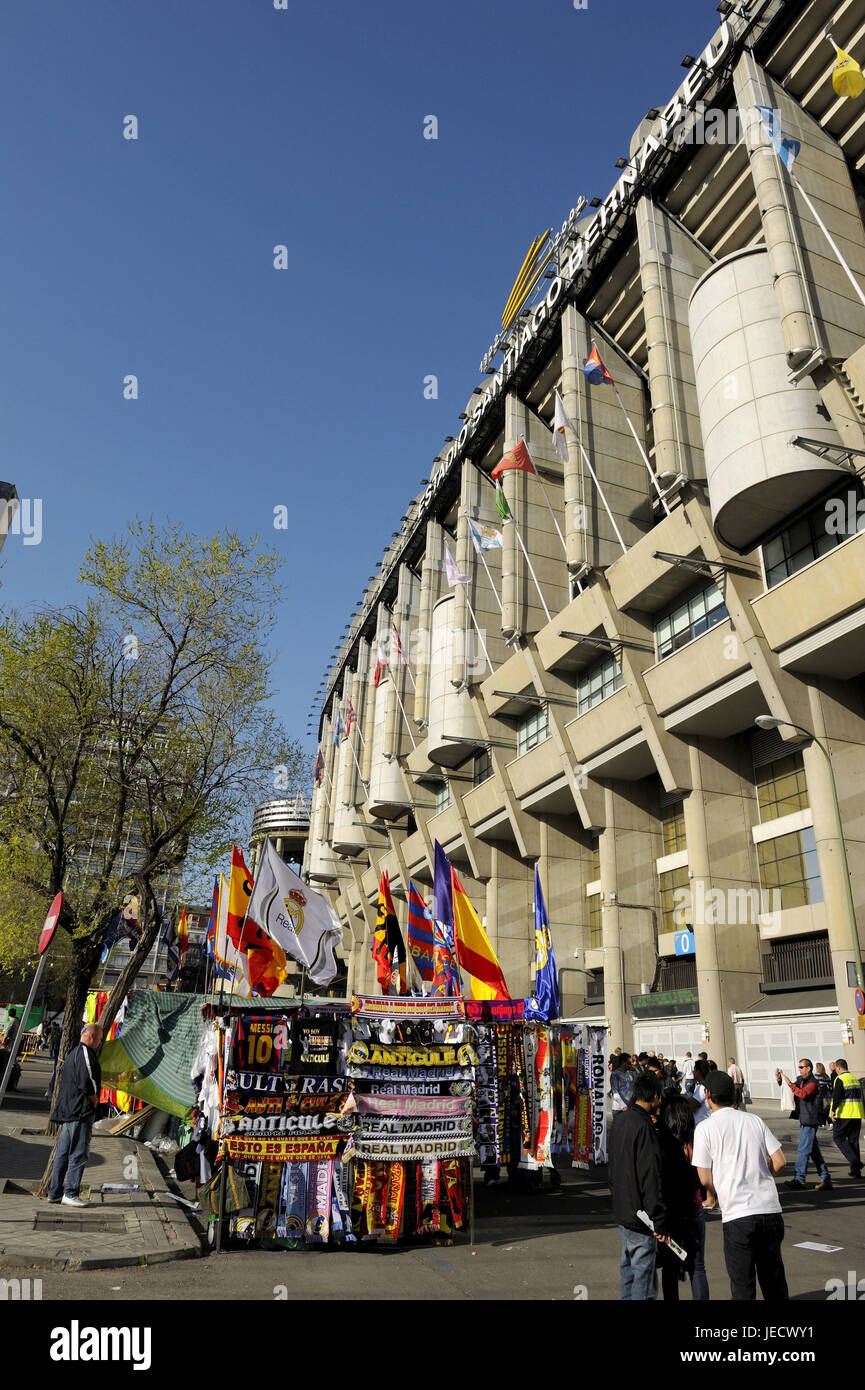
(847, 1113)
(636, 1184)
(806, 1093)
(735, 1155)
(736, 1076)
(78, 1097)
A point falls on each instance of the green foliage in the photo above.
(136, 730)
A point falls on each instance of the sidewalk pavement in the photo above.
(138, 1228)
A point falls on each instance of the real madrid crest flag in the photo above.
(544, 1003)
(298, 919)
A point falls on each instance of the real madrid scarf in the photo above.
(292, 1213)
(318, 1202)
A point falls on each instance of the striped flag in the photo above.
(446, 979)
(594, 371)
(350, 718)
(473, 948)
(319, 768)
(421, 938)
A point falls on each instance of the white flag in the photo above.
(453, 571)
(297, 918)
(561, 422)
(485, 537)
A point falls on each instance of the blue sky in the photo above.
(260, 387)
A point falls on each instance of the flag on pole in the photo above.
(502, 507)
(518, 459)
(300, 922)
(338, 728)
(350, 718)
(396, 644)
(544, 1004)
(388, 948)
(168, 939)
(420, 934)
(380, 663)
(266, 958)
(847, 79)
(561, 422)
(319, 768)
(210, 934)
(453, 571)
(785, 149)
(485, 537)
(446, 976)
(231, 964)
(594, 371)
(473, 949)
(443, 903)
(183, 936)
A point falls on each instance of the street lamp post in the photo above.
(768, 721)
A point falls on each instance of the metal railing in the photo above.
(804, 960)
(677, 974)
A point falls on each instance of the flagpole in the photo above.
(643, 453)
(601, 495)
(531, 568)
(404, 715)
(402, 656)
(357, 765)
(489, 576)
(478, 631)
(512, 520)
(825, 230)
(546, 499)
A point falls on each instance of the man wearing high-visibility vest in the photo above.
(847, 1114)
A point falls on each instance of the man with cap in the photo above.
(736, 1155)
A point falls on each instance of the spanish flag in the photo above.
(473, 949)
(266, 960)
(847, 79)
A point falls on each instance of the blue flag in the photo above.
(785, 148)
(443, 903)
(544, 1004)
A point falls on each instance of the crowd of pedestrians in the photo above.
(682, 1143)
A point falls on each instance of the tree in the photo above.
(136, 728)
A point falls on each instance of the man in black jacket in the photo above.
(80, 1083)
(637, 1187)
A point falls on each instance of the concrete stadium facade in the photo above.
(637, 620)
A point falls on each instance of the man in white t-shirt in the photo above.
(688, 1074)
(736, 1156)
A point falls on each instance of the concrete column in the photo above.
(614, 993)
(705, 942)
(840, 728)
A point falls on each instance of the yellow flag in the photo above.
(847, 79)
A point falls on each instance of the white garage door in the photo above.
(764, 1044)
(672, 1037)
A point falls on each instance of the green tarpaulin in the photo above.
(152, 1058)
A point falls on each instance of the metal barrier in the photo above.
(29, 1045)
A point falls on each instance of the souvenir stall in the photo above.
(274, 1118)
(412, 1064)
